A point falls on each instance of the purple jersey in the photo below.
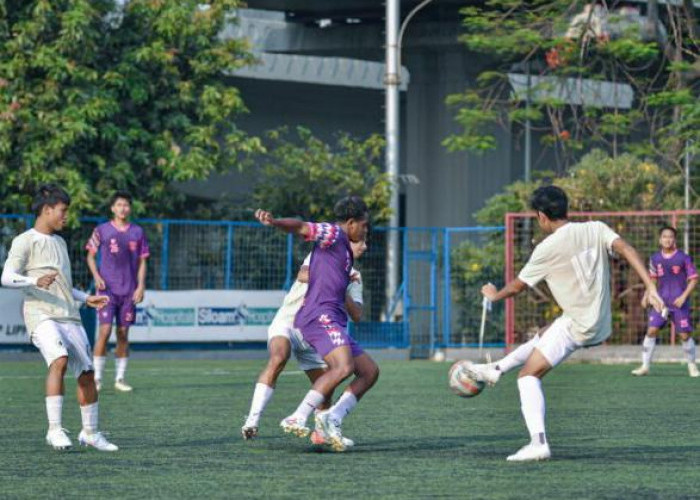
(329, 276)
(672, 273)
(121, 251)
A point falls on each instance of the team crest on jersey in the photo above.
(659, 270)
(133, 245)
(676, 269)
(113, 245)
(324, 319)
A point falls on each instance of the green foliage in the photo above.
(304, 176)
(563, 45)
(598, 182)
(99, 101)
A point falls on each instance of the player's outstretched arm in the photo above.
(494, 294)
(628, 252)
(294, 226)
(96, 301)
(12, 279)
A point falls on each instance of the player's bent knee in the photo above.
(277, 363)
(86, 378)
(344, 370)
(59, 364)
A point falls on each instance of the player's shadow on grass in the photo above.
(484, 446)
(627, 454)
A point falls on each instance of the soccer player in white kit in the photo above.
(283, 339)
(38, 263)
(573, 260)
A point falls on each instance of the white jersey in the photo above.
(35, 254)
(574, 262)
(295, 298)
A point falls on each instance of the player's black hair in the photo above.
(551, 201)
(49, 195)
(120, 195)
(668, 228)
(350, 207)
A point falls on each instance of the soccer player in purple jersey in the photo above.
(322, 318)
(676, 278)
(283, 340)
(121, 276)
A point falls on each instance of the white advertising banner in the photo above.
(205, 316)
(12, 329)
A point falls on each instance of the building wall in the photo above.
(452, 186)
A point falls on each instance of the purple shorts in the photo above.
(121, 307)
(325, 335)
(679, 317)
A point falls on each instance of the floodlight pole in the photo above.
(391, 110)
(392, 82)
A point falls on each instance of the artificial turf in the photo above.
(612, 436)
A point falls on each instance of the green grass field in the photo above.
(612, 436)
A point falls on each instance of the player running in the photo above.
(322, 318)
(121, 276)
(676, 277)
(38, 263)
(573, 260)
(283, 339)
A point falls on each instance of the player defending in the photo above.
(573, 260)
(323, 321)
(38, 263)
(121, 276)
(676, 276)
(283, 339)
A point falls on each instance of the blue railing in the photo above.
(432, 307)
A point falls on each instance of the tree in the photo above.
(101, 95)
(301, 175)
(575, 52)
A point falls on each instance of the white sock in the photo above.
(99, 363)
(54, 411)
(343, 406)
(121, 367)
(689, 349)
(261, 396)
(648, 350)
(518, 356)
(533, 407)
(89, 414)
(312, 400)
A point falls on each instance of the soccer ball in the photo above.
(462, 383)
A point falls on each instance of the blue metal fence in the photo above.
(437, 304)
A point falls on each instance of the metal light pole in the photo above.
(392, 81)
(391, 109)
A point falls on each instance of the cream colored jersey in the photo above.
(295, 298)
(35, 254)
(575, 265)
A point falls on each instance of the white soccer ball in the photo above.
(462, 383)
(439, 356)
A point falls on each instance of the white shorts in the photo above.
(56, 339)
(557, 343)
(306, 356)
